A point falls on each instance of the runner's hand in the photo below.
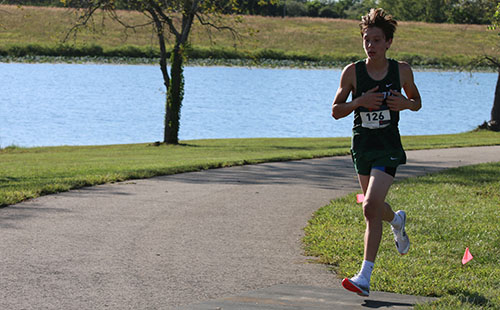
(397, 102)
(371, 99)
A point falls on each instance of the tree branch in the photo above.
(187, 22)
(168, 20)
(107, 6)
(212, 25)
(163, 49)
(494, 61)
(89, 12)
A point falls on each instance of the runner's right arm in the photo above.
(341, 108)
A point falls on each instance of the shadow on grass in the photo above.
(466, 176)
(345, 148)
(158, 143)
(375, 304)
(472, 298)
(5, 181)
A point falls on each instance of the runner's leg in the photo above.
(364, 180)
(375, 209)
(375, 188)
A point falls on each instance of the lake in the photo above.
(91, 104)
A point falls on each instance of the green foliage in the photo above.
(328, 12)
(417, 10)
(213, 52)
(437, 11)
(148, 54)
(70, 50)
(132, 51)
(457, 61)
(472, 11)
(295, 8)
(496, 18)
(51, 3)
(313, 7)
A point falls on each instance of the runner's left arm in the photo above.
(398, 101)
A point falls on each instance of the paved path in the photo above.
(186, 241)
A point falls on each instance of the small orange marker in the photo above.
(467, 257)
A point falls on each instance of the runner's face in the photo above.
(374, 43)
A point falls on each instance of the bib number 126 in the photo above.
(375, 116)
(375, 119)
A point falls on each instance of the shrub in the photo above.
(294, 9)
(328, 12)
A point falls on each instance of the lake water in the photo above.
(70, 104)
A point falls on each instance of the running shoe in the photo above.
(400, 236)
(358, 285)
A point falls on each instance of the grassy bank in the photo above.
(447, 212)
(38, 31)
(131, 54)
(30, 172)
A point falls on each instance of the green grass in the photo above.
(448, 212)
(333, 41)
(30, 172)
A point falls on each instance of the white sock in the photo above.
(397, 222)
(366, 270)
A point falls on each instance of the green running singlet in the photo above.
(376, 140)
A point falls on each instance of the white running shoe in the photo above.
(400, 236)
(357, 284)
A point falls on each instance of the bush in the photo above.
(294, 9)
(133, 51)
(328, 12)
(269, 54)
(217, 53)
(142, 54)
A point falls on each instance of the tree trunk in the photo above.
(494, 123)
(175, 94)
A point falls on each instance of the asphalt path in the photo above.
(181, 240)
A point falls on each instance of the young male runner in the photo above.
(375, 84)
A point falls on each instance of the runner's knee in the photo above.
(373, 209)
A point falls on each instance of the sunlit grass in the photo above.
(316, 38)
(30, 172)
(447, 212)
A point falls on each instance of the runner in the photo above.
(375, 84)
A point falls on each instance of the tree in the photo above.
(471, 11)
(494, 123)
(169, 18)
(313, 7)
(296, 8)
(356, 8)
(433, 11)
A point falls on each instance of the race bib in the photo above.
(375, 119)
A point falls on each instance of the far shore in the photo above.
(263, 63)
